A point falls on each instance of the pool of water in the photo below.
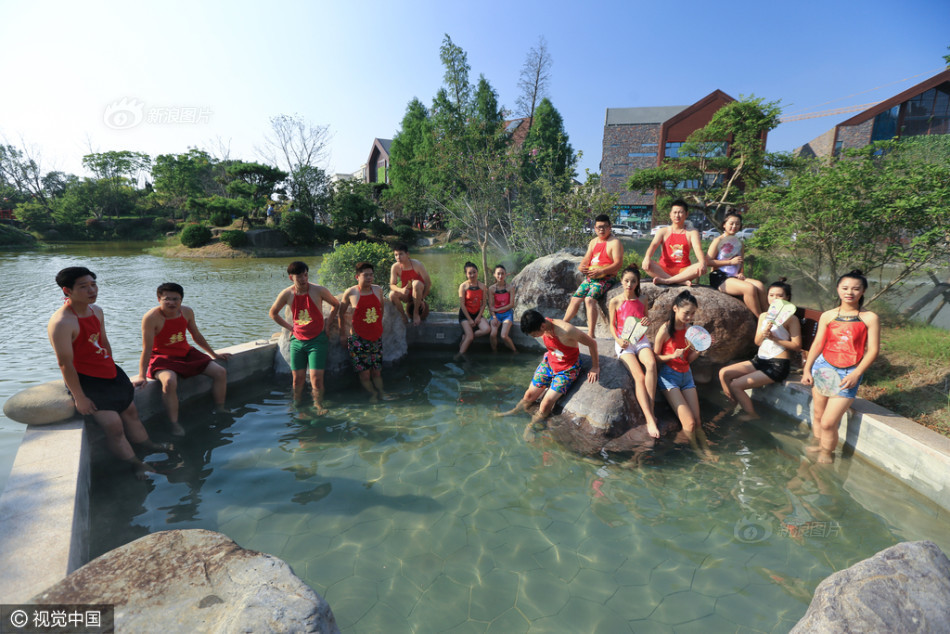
(427, 514)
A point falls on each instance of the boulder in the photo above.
(605, 416)
(267, 238)
(195, 581)
(547, 284)
(905, 588)
(395, 347)
(41, 405)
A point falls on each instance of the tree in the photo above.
(718, 163)
(411, 155)
(353, 206)
(253, 181)
(535, 75)
(299, 147)
(547, 151)
(21, 169)
(178, 177)
(116, 170)
(457, 87)
(883, 209)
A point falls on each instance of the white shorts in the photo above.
(634, 349)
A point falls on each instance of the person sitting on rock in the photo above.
(676, 241)
(603, 259)
(501, 304)
(99, 387)
(409, 284)
(166, 355)
(558, 369)
(365, 342)
(308, 338)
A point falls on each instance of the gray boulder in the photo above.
(267, 238)
(195, 581)
(905, 588)
(41, 404)
(547, 285)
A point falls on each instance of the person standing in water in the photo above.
(365, 342)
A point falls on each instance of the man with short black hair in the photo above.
(603, 259)
(409, 284)
(100, 389)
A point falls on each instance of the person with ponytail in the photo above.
(848, 341)
(772, 362)
(675, 376)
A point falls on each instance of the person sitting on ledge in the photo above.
(99, 387)
(409, 284)
(166, 355)
(676, 241)
(558, 369)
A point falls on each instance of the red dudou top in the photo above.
(473, 300)
(308, 320)
(671, 345)
(89, 357)
(560, 356)
(172, 339)
(368, 317)
(845, 341)
(675, 253)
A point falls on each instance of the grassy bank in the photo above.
(912, 375)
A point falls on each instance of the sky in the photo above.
(160, 78)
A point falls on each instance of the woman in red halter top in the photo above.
(847, 342)
(472, 296)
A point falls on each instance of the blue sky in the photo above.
(228, 67)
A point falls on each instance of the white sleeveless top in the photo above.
(769, 349)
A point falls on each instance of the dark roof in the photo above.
(910, 93)
(651, 114)
(385, 143)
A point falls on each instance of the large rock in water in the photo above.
(195, 581)
(41, 404)
(547, 284)
(905, 588)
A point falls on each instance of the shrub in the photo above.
(195, 236)
(298, 227)
(403, 221)
(337, 271)
(163, 225)
(380, 228)
(234, 239)
(220, 219)
(407, 234)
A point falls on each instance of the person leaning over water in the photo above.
(558, 369)
(308, 338)
(99, 387)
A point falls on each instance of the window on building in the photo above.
(710, 150)
(637, 154)
(885, 126)
(838, 146)
(928, 112)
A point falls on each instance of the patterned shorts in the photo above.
(560, 382)
(366, 354)
(595, 288)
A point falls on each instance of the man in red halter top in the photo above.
(409, 284)
(558, 369)
(308, 339)
(98, 386)
(365, 342)
(600, 265)
(166, 355)
(675, 243)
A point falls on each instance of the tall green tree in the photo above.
(884, 209)
(179, 177)
(255, 182)
(411, 158)
(117, 172)
(718, 163)
(547, 149)
(353, 206)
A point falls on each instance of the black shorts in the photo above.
(114, 394)
(462, 316)
(716, 278)
(775, 369)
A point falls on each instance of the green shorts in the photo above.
(309, 353)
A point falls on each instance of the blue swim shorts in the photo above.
(508, 315)
(560, 382)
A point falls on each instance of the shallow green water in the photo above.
(427, 514)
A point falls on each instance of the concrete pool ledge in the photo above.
(44, 507)
(911, 453)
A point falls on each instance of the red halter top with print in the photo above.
(473, 300)
(172, 339)
(671, 345)
(599, 257)
(89, 357)
(308, 320)
(407, 276)
(368, 317)
(675, 253)
(845, 341)
(560, 356)
(629, 308)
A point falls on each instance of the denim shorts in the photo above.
(671, 379)
(842, 372)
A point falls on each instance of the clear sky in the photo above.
(225, 68)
